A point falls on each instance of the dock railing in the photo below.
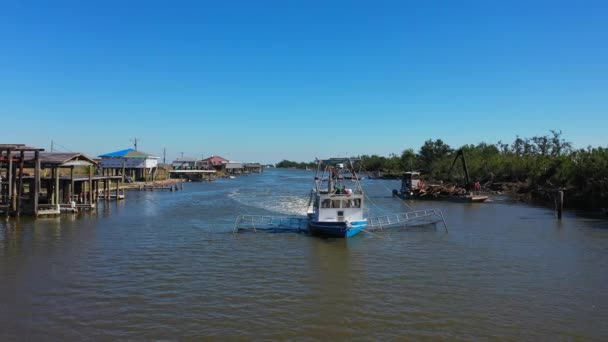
(411, 217)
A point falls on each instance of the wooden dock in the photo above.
(161, 187)
(193, 175)
(37, 183)
(157, 187)
(112, 196)
(40, 183)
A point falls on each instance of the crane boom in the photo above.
(460, 153)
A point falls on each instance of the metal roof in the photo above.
(128, 153)
(66, 159)
(58, 159)
(234, 166)
(19, 147)
(216, 160)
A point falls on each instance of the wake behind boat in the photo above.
(337, 200)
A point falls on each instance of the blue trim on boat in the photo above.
(336, 229)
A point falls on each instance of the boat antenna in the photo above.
(330, 180)
(316, 179)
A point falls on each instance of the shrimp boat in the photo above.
(336, 208)
(337, 200)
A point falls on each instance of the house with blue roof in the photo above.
(130, 162)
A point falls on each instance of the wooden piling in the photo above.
(106, 190)
(36, 181)
(124, 162)
(559, 204)
(71, 184)
(49, 184)
(56, 187)
(9, 174)
(117, 189)
(20, 183)
(90, 185)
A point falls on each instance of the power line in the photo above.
(55, 145)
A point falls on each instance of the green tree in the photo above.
(408, 159)
(432, 151)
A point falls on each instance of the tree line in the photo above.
(288, 164)
(540, 163)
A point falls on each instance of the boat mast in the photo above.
(318, 181)
(355, 175)
(330, 180)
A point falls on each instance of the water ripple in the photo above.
(163, 266)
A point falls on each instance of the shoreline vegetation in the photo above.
(530, 169)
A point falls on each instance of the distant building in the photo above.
(185, 163)
(232, 167)
(253, 167)
(212, 163)
(132, 163)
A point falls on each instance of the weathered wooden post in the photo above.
(15, 190)
(71, 184)
(36, 181)
(124, 162)
(56, 187)
(20, 183)
(4, 195)
(50, 187)
(106, 189)
(9, 174)
(559, 203)
(91, 186)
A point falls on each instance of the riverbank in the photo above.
(524, 192)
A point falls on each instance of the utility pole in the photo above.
(135, 140)
(52, 146)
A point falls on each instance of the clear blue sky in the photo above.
(268, 80)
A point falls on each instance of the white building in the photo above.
(130, 162)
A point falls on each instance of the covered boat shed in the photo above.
(234, 168)
(69, 183)
(61, 181)
(12, 165)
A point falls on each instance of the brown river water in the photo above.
(166, 266)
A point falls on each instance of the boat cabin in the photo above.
(336, 210)
(339, 207)
(410, 180)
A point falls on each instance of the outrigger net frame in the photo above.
(300, 224)
(270, 223)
